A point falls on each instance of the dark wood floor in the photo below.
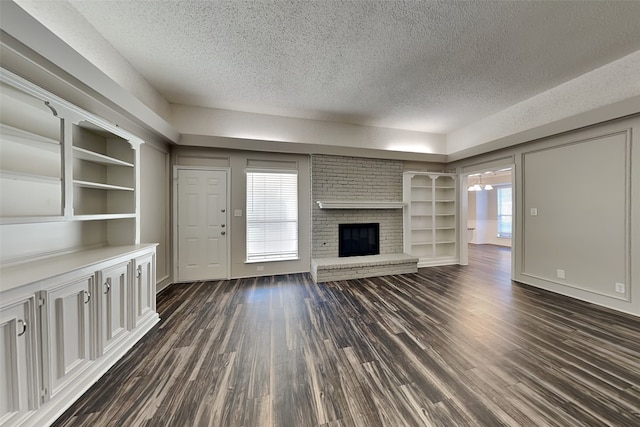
(448, 346)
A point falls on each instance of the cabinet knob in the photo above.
(223, 225)
(24, 327)
(223, 210)
(88, 294)
(223, 233)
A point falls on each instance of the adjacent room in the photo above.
(319, 213)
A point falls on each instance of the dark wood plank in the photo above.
(447, 346)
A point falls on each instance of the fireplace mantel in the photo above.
(358, 204)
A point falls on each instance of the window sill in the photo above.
(271, 260)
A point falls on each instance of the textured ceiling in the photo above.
(425, 66)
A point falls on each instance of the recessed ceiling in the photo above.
(424, 66)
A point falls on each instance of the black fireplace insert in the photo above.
(358, 239)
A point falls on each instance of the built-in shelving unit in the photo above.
(31, 181)
(430, 231)
(60, 163)
(104, 179)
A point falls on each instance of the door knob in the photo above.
(223, 233)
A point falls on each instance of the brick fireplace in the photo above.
(341, 178)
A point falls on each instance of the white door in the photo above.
(202, 230)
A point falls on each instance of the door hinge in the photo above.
(41, 302)
(43, 394)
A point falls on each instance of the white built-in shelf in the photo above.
(25, 176)
(429, 229)
(358, 204)
(100, 186)
(100, 217)
(21, 136)
(91, 156)
(31, 219)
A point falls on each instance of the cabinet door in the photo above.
(113, 308)
(144, 288)
(18, 386)
(68, 338)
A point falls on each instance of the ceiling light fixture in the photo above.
(478, 186)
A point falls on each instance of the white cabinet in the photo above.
(112, 298)
(143, 289)
(73, 317)
(18, 368)
(67, 333)
(430, 224)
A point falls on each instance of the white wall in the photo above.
(581, 191)
(155, 204)
(263, 128)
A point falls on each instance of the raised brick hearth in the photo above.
(357, 267)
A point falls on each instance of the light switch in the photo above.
(534, 211)
(237, 212)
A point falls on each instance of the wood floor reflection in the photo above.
(448, 346)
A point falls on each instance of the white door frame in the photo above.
(174, 215)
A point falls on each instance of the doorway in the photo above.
(487, 217)
(201, 225)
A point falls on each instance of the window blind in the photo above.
(272, 215)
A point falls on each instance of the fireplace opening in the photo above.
(358, 239)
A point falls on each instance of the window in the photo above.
(504, 212)
(272, 215)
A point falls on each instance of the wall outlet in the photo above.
(237, 212)
(620, 288)
(560, 274)
(260, 268)
(534, 211)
